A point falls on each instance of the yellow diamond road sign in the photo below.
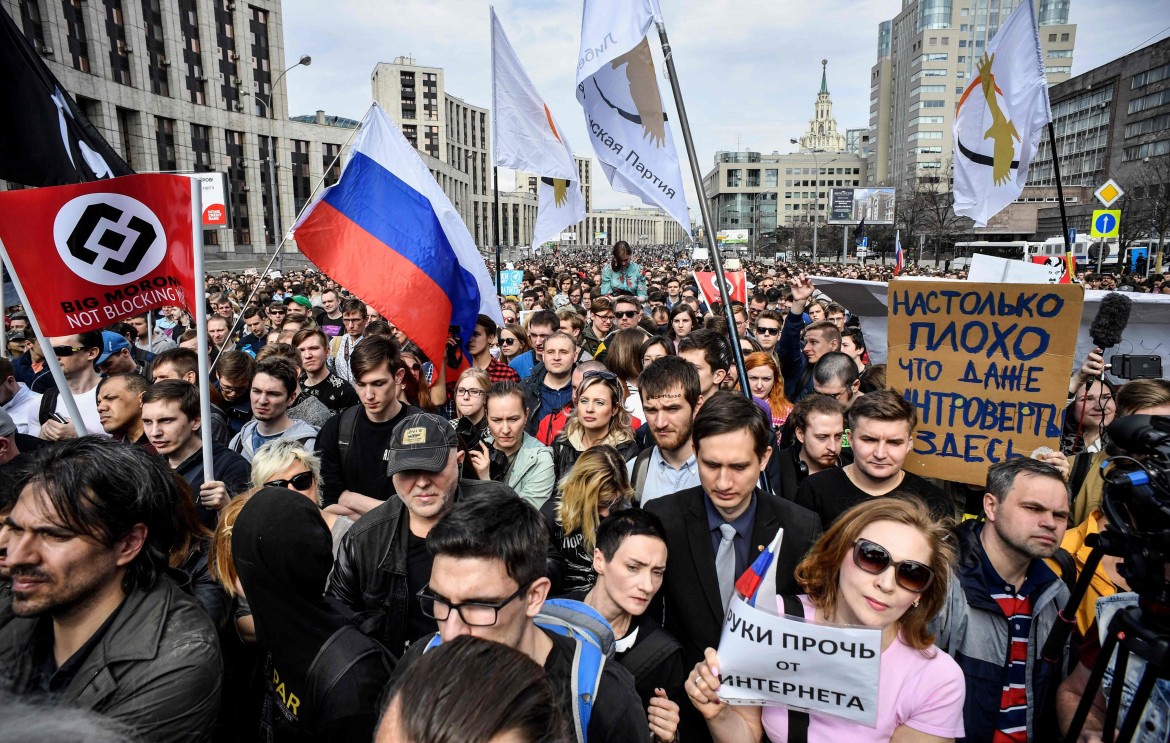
(1108, 193)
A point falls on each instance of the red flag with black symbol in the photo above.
(91, 254)
(709, 285)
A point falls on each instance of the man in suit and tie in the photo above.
(715, 531)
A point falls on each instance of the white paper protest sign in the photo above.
(778, 661)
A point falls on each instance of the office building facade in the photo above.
(926, 58)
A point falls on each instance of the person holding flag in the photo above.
(884, 565)
(999, 119)
(899, 259)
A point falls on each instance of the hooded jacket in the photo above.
(972, 629)
(326, 675)
(299, 431)
(157, 668)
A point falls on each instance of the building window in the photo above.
(770, 177)
(159, 65)
(238, 184)
(261, 64)
(1147, 126)
(330, 163)
(78, 42)
(30, 22)
(1064, 37)
(269, 183)
(1149, 149)
(1059, 53)
(302, 188)
(119, 49)
(201, 147)
(164, 135)
(734, 178)
(1143, 79)
(127, 124)
(195, 79)
(229, 69)
(1147, 102)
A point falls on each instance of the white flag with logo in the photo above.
(526, 137)
(618, 89)
(1000, 118)
(559, 205)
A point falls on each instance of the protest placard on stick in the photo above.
(985, 365)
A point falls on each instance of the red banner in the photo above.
(92, 254)
(1059, 266)
(736, 286)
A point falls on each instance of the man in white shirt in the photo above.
(671, 397)
(21, 403)
(77, 355)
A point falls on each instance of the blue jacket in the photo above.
(972, 629)
(793, 364)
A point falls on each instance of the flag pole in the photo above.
(704, 207)
(199, 303)
(496, 223)
(51, 360)
(1068, 254)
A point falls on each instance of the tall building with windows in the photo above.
(926, 57)
(188, 86)
(445, 128)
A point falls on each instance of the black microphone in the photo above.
(1112, 317)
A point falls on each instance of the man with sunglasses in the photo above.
(383, 562)
(628, 311)
(1004, 601)
(767, 331)
(489, 579)
(881, 434)
(77, 354)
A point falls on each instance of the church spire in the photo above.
(822, 134)
(824, 77)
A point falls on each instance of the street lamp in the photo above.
(305, 61)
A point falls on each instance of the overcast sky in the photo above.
(749, 69)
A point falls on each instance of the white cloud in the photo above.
(749, 69)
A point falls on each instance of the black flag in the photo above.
(859, 232)
(45, 139)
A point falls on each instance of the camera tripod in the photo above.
(1129, 636)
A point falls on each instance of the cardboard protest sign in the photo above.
(778, 661)
(985, 365)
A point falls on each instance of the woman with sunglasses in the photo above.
(598, 419)
(416, 384)
(597, 486)
(884, 565)
(285, 463)
(682, 321)
(513, 342)
(766, 383)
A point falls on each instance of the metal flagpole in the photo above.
(3, 316)
(1068, 254)
(496, 223)
(200, 307)
(47, 349)
(704, 208)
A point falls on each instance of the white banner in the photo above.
(778, 661)
(618, 90)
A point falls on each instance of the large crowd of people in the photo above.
(533, 538)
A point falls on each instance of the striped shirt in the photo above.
(1016, 605)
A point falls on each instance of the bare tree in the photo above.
(1149, 200)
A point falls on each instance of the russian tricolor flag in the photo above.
(388, 233)
(757, 585)
(899, 259)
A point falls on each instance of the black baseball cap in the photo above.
(420, 442)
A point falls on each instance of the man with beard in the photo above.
(1004, 601)
(670, 400)
(383, 562)
(336, 393)
(819, 427)
(98, 624)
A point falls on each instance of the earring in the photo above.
(915, 604)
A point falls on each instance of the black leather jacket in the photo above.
(370, 572)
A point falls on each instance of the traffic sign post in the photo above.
(1106, 223)
(1108, 193)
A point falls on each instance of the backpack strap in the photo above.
(346, 431)
(648, 653)
(798, 720)
(1068, 568)
(48, 404)
(638, 476)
